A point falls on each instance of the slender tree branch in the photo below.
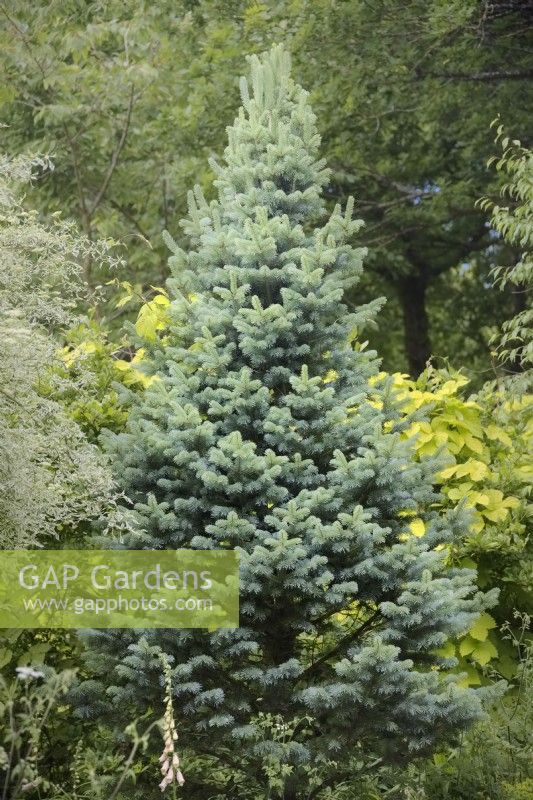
(131, 218)
(346, 640)
(85, 213)
(115, 157)
(24, 38)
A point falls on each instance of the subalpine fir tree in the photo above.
(264, 434)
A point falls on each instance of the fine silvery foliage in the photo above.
(51, 478)
(264, 433)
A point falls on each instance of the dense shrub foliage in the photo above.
(486, 442)
(52, 479)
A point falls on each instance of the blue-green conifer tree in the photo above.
(263, 433)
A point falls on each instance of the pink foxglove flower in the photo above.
(169, 759)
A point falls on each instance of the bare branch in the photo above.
(490, 76)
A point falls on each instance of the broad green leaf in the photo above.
(484, 652)
(481, 627)
(478, 499)
(474, 469)
(498, 434)
(124, 300)
(449, 472)
(467, 645)
(473, 444)
(152, 317)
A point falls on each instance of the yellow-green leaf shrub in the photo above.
(101, 365)
(485, 442)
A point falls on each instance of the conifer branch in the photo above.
(346, 640)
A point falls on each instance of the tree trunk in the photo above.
(519, 298)
(412, 294)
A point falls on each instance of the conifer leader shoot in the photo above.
(263, 435)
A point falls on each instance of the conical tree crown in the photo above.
(264, 433)
(271, 161)
(277, 281)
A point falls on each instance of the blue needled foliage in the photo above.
(263, 434)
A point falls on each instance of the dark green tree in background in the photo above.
(263, 434)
